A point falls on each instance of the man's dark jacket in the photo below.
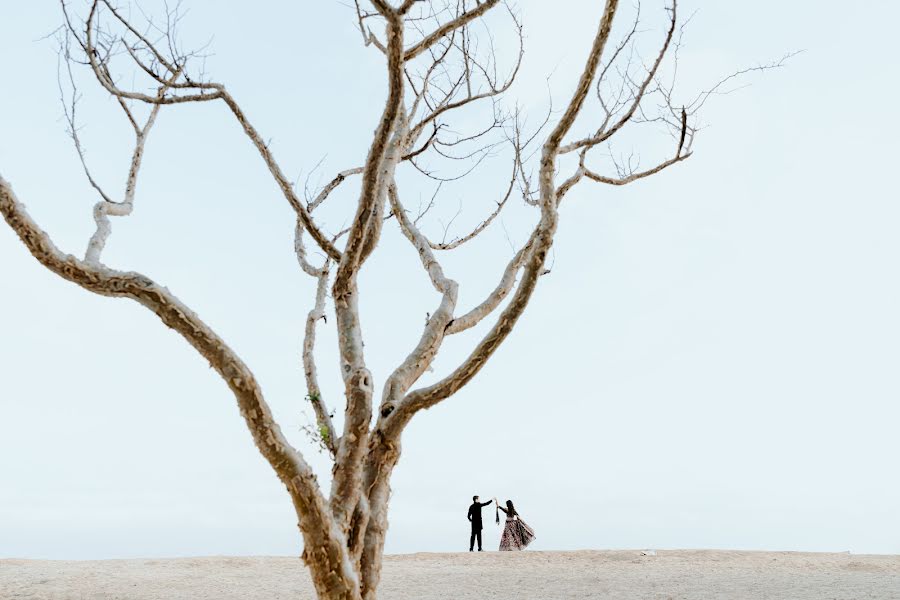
(475, 515)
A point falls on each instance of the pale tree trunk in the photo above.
(344, 532)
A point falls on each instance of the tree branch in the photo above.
(449, 27)
(637, 175)
(493, 299)
(207, 91)
(435, 326)
(363, 234)
(287, 462)
(604, 134)
(541, 240)
(325, 431)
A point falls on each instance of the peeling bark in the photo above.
(325, 552)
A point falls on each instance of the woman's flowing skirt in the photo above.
(516, 535)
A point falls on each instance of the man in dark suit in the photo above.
(475, 520)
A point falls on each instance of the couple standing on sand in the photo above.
(516, 534)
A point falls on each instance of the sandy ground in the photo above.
(526, 575)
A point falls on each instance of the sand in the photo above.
(526, 575)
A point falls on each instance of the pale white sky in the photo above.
(710, 364)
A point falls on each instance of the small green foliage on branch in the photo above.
(317, 432)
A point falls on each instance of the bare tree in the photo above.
(438, 63)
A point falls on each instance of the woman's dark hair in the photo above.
(510, 510)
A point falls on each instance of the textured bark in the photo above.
(283, 183)
(540, 242)
(493, 300)
(423, 354)
(106, 207)
(448, 28)
(382, 457)
(372, 175)
(607, 132)
(332, 573)
(326, 431)
(363, 236)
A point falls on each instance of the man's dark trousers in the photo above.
(475, 519)
(476, 534)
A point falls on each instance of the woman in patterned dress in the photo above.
(516, 534)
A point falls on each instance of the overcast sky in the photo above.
(712, 362)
